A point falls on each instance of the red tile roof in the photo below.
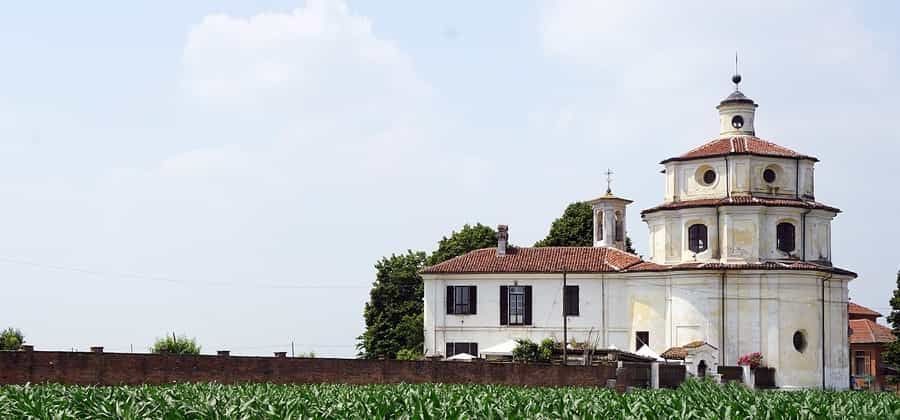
(868, 331)
(767, 265)
(538, 260)
(740, 145)
(855, 309)
(743, 201)
(591, 260)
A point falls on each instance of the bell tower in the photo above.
(609, 218)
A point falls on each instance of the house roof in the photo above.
(868, 331)
(742, 201)
(854, 309)
(739, 145)
(766, 265)
(538, 260)
(592, 260)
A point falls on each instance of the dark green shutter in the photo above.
(527, 305)
(450, 299)
(473, 300)
(504, 305)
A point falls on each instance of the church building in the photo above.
(739, 259)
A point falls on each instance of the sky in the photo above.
(233, 170)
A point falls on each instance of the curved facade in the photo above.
(740, 259)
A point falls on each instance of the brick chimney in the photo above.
(502, 239)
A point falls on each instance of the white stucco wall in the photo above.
(763, 309)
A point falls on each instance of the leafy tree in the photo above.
(11, 339)
(395, 308)
(575, 228)
(176, 345)
(469, 238)
(892, 355)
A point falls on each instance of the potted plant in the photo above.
(753, 360)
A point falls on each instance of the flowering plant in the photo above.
(754, 360)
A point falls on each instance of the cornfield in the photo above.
(694, 400)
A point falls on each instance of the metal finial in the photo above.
(736, 79)
(609, 174)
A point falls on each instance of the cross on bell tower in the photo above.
(609, 174)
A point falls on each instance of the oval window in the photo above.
(769, 175)
(799, 341)
(709, 177)
(737, 121)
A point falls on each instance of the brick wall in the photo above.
(132, 369)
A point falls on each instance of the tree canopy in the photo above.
(395, 308)
(575, 228)
(394, 312)
(11, 339)
(176, 345)
(892, 355)
(469, 238)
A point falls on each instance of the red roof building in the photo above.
(868, 339)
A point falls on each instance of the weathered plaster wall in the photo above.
(763, 310)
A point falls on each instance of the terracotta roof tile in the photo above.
(868, 331)
(739, 145)
(855, 309)
(538, 260)
(742, 201)
(674, 353)
(766, 265)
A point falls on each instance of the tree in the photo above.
(892, 355)
(395, 308)
(394, 313)
(176, 345)
(11, 339)
(575, 228)
(469, 238)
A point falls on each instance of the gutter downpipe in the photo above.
(565, 321)
(803, 234)
(722, 343)
(823, 327)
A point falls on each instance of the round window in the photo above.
(709, 177)
(769, 175)
(737, 121)
(799, 341)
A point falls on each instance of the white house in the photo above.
(740, 258)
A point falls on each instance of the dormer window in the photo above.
(698, 240)
(785, 237)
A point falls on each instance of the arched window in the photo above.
(620, 231)
(784, 235)
(599, 225)
(697, 238)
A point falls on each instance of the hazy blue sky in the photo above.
(232, 170)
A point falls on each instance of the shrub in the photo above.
(11, 339)
(529, 351)
(409, 354)
(754, 360)
(176, 345)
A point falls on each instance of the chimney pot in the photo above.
(502, 239)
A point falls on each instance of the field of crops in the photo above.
(693, 400)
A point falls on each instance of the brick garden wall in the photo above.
(21, 367)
